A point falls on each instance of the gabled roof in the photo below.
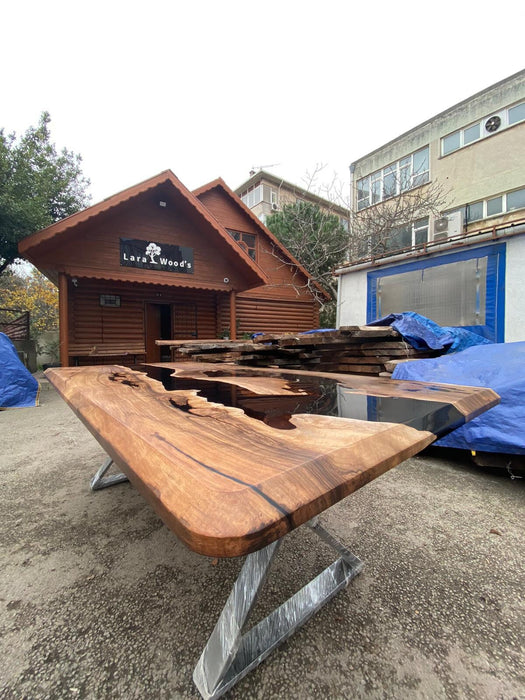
(220, 184)
(60, 228)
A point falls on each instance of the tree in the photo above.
(394, 224)
(317, 239)
(38, 186)
(34, 293)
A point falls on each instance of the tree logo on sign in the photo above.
(152, 250)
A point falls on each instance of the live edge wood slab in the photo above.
(228, 483)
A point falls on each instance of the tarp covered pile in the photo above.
(18, 387)
(423, 333)
(499, 366)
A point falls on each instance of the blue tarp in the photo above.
(423, 333)
(499, 366)
(18, 387)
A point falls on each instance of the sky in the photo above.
(215, 88)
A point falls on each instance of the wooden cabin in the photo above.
(157, 261)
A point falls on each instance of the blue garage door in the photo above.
(465, 289)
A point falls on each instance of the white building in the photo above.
(465, 267)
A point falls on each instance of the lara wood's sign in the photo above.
(156, 256)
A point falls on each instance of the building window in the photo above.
(408, 236)
(482, 128)
(247, 241)
(252, 196)
(495, 206)
(475, 212)
(516, 200)
(471, 134)
(451, 143)
(394, 179)
(517, 114)
(420, 231)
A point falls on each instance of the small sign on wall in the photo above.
(148, 255)
(112, 300)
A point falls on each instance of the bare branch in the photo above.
(388, 225)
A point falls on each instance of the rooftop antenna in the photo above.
(257, 168)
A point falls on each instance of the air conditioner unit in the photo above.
(274, 206)
(448, 226)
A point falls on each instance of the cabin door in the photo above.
(158, 327)
(185, 321)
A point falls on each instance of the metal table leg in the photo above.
(100, 482)
(229, 654)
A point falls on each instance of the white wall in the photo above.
(515, 290)
(351, 310)
(351, 299)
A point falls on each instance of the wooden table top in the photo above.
(233, 458)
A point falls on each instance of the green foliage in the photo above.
(34, 293)
(318, 241)
(38, 186)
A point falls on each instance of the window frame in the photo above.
(240, 237)
(484, 202)
(252, 196)
(415, 227)
(503, 113)
(405, 178)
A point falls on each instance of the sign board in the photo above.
(149, 255)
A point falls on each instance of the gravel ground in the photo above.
(98, 599)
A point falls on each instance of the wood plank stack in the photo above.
(367, 350)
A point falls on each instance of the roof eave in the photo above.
(29, 243)
(219, 182)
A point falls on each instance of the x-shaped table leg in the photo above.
(99, 481)
(229, 654)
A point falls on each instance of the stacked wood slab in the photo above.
(369, 350)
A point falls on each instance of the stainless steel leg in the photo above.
(100, 482)
(229, 654)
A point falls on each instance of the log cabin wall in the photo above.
(275, 316)
(284, 305)
(95, 331)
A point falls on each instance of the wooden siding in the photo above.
(226, 212)
(284, 305)
(275, 316)
(286, 281)
(92, 326)
(92, 249)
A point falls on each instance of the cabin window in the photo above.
(112, 300)
(247, 242)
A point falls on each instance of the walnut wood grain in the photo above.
(225, 483)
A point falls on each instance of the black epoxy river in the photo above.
(315, 395)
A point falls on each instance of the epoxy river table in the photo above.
(233, 458)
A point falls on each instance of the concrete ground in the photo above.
(99, 600)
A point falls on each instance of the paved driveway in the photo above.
(99, 600)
